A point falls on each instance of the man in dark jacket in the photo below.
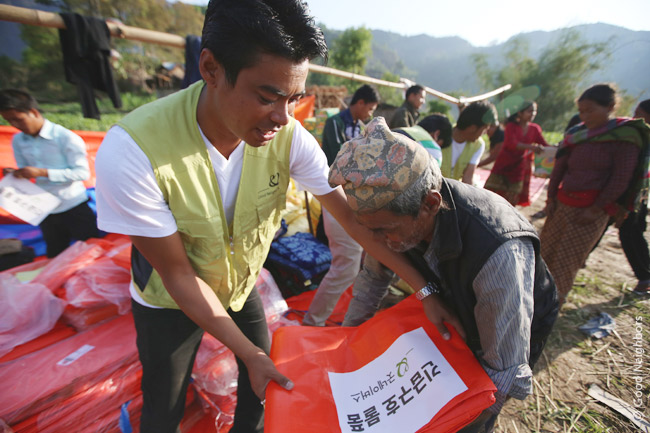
(480, 255)
(348, 124)
(407, 114)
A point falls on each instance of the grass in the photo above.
(69, 115)
(559, 406)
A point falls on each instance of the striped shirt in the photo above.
(504, 313)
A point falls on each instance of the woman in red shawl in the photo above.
(510, 176)
(595, 169)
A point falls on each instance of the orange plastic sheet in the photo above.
(299, 305)
(305, 108)
(34, 383)
(306, 354)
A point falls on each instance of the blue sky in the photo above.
(481, 22)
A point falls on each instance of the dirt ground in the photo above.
(572, 361)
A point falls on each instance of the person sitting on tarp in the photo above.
(56, 158)
(481, 256)
(198, 180)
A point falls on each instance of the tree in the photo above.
(43, 60)
(436, 105)
(350, 52)
(391, 95)
(560, 73)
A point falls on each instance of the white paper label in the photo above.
(399, 391)
(75, 355)
(25, 200)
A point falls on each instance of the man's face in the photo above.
(366, 110)
(417, 99)
(474, 132)
(260, 102)
(399, 232)
(28, 122)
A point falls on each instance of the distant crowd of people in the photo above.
(197, 180)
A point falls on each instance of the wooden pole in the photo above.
(48, 19)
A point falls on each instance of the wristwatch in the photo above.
(427, 290)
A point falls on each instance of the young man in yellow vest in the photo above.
(198, 180)
(461, 158)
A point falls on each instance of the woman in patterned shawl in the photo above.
(591, 181)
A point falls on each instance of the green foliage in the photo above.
(43, 64)
(12, 73)
(42, 59)
(68, 114)
(553, 137)
(351, 50)
(435, 105)
(391, 95)
(560, 73)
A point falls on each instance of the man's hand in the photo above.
(7, 170)
(261, 371)
(437, 312)
(30, 172)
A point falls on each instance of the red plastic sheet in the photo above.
(60, 332)
(99, 284)
(36, 382)
(306, 354)
(77, 256)
(86, 407)
(29, 310)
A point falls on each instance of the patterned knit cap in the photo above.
(377, 167)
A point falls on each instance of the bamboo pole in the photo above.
(48, 19)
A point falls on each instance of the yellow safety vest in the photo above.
(456, 172)
(227, 259)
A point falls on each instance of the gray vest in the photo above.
(477, 223)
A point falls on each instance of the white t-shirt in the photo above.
(130, 202)
(457, 148)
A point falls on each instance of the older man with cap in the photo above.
(480, 255)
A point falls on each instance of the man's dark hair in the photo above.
(19, 100)
(365, 93)
(438, 122)
(238, 31)
(478, 113)
(413, 89)
(645, 105)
